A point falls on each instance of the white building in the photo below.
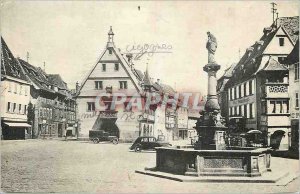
(15, 97)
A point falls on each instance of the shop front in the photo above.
(16, 130)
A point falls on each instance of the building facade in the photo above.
(292, 62)
(114, 74)
(15, 97)
(52, 104)
(258, 89)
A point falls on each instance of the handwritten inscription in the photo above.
(149, 49)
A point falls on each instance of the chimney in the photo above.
(267, 30)
(250, 50)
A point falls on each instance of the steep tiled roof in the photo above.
(291, 26)
(9, 64)
(250, 62)
(36, 75)
(57, 80)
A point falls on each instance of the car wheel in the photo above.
(137, 148)
(115, 141)
(96, 140)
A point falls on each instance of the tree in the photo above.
(30, 117)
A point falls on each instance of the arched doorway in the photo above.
(276, 138)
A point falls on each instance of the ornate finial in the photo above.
(111, 35)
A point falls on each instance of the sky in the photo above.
(69, 36)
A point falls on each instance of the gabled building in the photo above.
(53, 106)
(15, 97)
(258, 88)
(112, 73)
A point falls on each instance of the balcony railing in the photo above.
(276, 90)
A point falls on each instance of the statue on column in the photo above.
(211, 46)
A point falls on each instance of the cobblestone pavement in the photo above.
(74, 166)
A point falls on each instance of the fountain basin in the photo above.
(189, 162)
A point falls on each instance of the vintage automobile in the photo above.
(99, 135)
(147, 143)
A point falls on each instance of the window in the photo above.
(9, 86)
(245, 111)
(281, 41)
(25, 109)
(240, 110)
(98, 85)
(123, 84)
(8, 106)
(16, 88)
(116, 66)
(234, 92)
(26, 91)
(251, 110)
(230, 93)
(103, 67)
(245, 89)
(297, 71)
(297, 100)
(90, 106)
(14, 107)
(230, 113)
(21, 89)
(250, 87)
(235, 111)
(278, 106)
(240, 91)
(20, 108)
(110, 51)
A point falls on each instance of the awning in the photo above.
(18, 124)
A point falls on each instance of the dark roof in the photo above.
(139, 74)
(36, 75)
(9, 64)
(291, 26)
(56, 80)
(293, 57)
(250, 61)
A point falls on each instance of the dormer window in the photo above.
(116, 66)
(281, 41)
(259, 44)
(249, 51)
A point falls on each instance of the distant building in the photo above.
(54, 108)
(292, 61)
(15, 97)
(222, 91)
(258, 88)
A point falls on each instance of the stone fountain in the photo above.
(211, 156)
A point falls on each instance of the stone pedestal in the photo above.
(209, 126)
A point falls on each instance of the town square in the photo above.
(133, 97)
